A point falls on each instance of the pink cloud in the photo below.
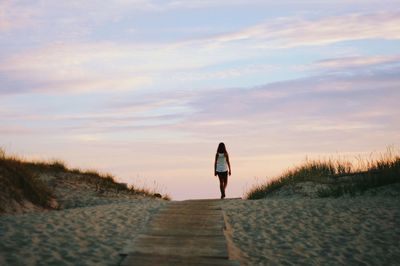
(14, 16)
(291, 32)
(357, 61)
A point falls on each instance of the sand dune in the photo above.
(329, 231)
(281, 230)
(84, 236)
(92, 219)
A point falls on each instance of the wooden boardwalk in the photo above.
(184, 233)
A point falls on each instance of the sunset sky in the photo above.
(147, 89)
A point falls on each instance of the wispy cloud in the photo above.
(226, 73)
(13, 16)
(12, 130)
(319, 104)
(88, 66)
(75, 68)
(137, 84)
(291, 32)
(101, 67)
(329, 102)
(342, 126)
(358, 61)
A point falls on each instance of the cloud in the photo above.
(102, 66)
(266, 127)
(342, 126)
(288, 104)
(78, 18)
(89, 66)
(314, 106)
(226, 73)
(17, 85)
(13, 16)
(65, 14)
(75, 68)
(318, 104)
(358, 61)
(171, 5)
(13, 130)
(242, 111)
(292, 32)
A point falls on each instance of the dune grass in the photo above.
(362, 176)
(19, 183)
(19, 179)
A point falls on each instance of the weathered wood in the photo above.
(184, 233)
(178, 260)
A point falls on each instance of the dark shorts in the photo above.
(223, 176)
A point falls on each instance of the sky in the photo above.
(146, 89)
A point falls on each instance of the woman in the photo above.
(221, 167)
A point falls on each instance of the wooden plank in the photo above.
(182, 245)
(184, 233)
(144, 260)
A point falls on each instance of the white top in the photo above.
(222, 165)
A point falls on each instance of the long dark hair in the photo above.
(221, 148)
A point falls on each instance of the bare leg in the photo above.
(222, 188)
(223, 182)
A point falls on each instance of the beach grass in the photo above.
(20, 180)
(342, 176)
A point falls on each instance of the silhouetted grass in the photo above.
(166, 197)
(20, 180)
(19, 183)
(367, 174)
(106, 182)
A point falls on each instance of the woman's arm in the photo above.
(215, 164)
(229, 164)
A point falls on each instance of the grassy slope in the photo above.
(376, 173)
(20, 182)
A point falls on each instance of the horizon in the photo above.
(145, 90)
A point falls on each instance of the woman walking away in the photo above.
(221, 167)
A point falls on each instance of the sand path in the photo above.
(184, 233)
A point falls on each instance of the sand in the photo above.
(362, 230)
(80, 236)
